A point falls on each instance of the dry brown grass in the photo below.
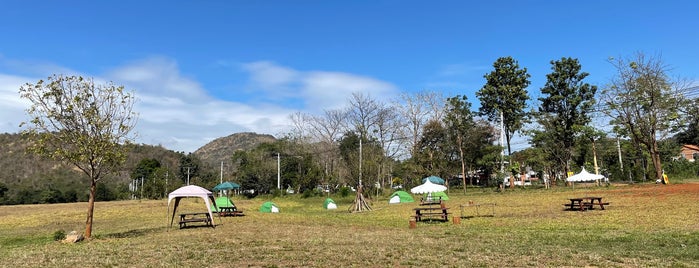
(645, 225)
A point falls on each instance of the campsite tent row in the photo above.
(431, 188)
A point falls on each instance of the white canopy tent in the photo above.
(428, 188)
(190, 191)
(584, 176)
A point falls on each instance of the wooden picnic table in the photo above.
(229, 211)
(584, 203)
(204, 217)
(431, 211)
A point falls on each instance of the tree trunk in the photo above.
(463, 167)
(90, 209)
(655, 157)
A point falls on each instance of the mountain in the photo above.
(222, 149)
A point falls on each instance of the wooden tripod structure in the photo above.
(359, 204)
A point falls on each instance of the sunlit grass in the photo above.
(645, 225)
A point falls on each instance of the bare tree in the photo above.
(415, 111)
(644, 102)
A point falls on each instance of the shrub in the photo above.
(345, 191)
(59, 235)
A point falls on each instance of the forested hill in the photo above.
(222, 149)
(27, 178)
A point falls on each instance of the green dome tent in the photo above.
(329, 204)
(437, 195)
(269, 207)
(222, 201)
(400, 197)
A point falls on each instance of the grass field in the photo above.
(645, 225)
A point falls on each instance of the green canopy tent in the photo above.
(400, 197)
(222, 201)
(329, 204)
(437, 196)
(269, 207)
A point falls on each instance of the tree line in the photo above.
(375, 144)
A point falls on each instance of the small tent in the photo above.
(400, 197)
(269, 207)
(329, 204)
(221, 201)
(190, 191)
(434, 179)
(436, 196)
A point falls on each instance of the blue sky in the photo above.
(207, 69)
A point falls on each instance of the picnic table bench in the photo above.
(585, 203)
(229, 211)
(197, 217)
(431, 213)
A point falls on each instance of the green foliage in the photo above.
(565, 110)
(76, 121)
(345, 191)
(505, 92)
(690, 133)
(681, 169)
(3, 189)
(59, 235)
(644, 103)
(433, 150)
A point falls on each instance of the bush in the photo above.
(59, 235)
(277, 193)
(345, 191)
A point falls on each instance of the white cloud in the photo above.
(317, 90)
(12, 108)
(333, 89)
(178, 113)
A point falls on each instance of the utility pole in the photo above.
(502, 142)
(141, 187)
(618, 147)
(187, 176)
(167, 172)
(279, 172)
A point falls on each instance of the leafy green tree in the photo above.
(567, 103)
(690, 134)
(459, 123)
(152, 173)
(72, 119)
(433, 150)
(505, 94)
(644, 103)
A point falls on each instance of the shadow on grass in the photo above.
(134, 233)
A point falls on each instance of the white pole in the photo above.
(221, 172)
(502, 142)
(279, 174)
(360, 161)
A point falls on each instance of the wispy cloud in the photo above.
(179, 113)
(317, 90)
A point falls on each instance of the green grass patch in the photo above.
(645, 225)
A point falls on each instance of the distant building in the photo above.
(690, 152)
